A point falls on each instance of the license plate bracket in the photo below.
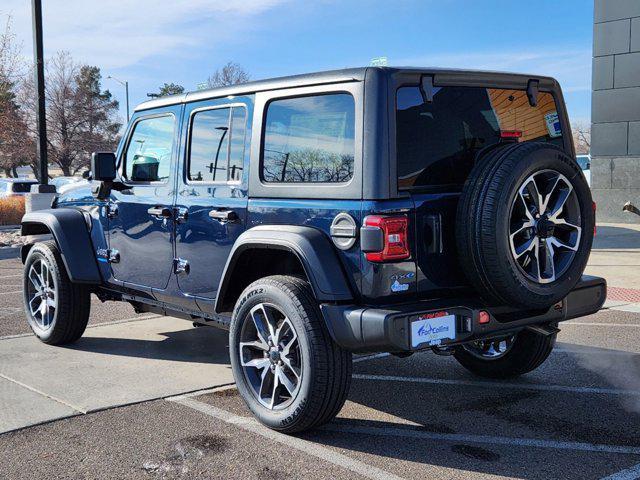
(433, 329)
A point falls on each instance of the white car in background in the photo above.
(15, 187)
(585, 164)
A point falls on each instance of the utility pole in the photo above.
(125, 84)
(41, 114)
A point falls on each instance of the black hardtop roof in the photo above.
(321, 78)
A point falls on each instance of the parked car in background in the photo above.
(585, 164)
(11, 187)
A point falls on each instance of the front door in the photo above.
(141, 227)
(211, 203)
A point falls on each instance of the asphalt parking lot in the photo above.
(578, 416)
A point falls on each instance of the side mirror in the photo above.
(87, 175)
(103, 166)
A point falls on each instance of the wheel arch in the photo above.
(278, 249)
(71, 231)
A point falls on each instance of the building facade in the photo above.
(615, 116)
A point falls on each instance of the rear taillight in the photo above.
(395, 241)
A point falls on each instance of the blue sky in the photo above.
(184, 41)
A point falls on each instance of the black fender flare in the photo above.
(70, 229)
(313, 249)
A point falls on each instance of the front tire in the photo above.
(288, 370)
(506, 357)
(57, 310)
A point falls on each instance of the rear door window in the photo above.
(437, 142)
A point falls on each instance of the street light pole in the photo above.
(41, 117)
(125, 84)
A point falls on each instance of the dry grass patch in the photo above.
(11, 210)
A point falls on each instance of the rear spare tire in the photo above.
(525, 225)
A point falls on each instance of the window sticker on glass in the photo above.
(553, 124)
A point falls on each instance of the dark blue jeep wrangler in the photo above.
(365, 210)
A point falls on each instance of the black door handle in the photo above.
(160, 212)
(224, 215)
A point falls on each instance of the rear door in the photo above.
(437, 145)
(141, 224)
(211, 205)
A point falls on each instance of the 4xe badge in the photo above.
(397, 286)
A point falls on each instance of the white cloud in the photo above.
(119, 33)
(572, 68)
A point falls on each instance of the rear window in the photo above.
(309, 139)
(437, 142)
(22, 187)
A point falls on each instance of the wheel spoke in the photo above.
(530, 245)
(284, 380)
(261, 322)
(34, 309)
(34, 278)
(549, 264)
(561, 199)
(265, 383)
(531, 188)
(45, 275)
(556, 242)
(258, 363)
(274, 391)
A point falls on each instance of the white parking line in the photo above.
(601, 324)
(310, 448)
(488, 383)
(632, 473)
(483, 439)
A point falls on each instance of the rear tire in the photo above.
(313, 372)
(57, 310)
(527, 352)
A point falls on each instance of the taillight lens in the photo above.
(395, 238)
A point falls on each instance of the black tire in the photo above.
(483, 225)
(325, 368)
(68, 321)
(528, 351)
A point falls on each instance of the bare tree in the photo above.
(582, 137)
(15, 146)
(231, 74)
(170, 89)
(80, 117)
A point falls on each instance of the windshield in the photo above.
(437, 142)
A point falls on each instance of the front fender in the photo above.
(312, 247)
(70, 230)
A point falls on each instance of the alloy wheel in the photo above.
(544, 228)
(270, 356)
(42, 294)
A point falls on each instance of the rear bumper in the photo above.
(364, 329)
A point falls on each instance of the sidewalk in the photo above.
(616, 257)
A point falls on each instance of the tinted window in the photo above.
(22, 187)
(217, 145)
(310, 139)
(437, 142)
(148, 157)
